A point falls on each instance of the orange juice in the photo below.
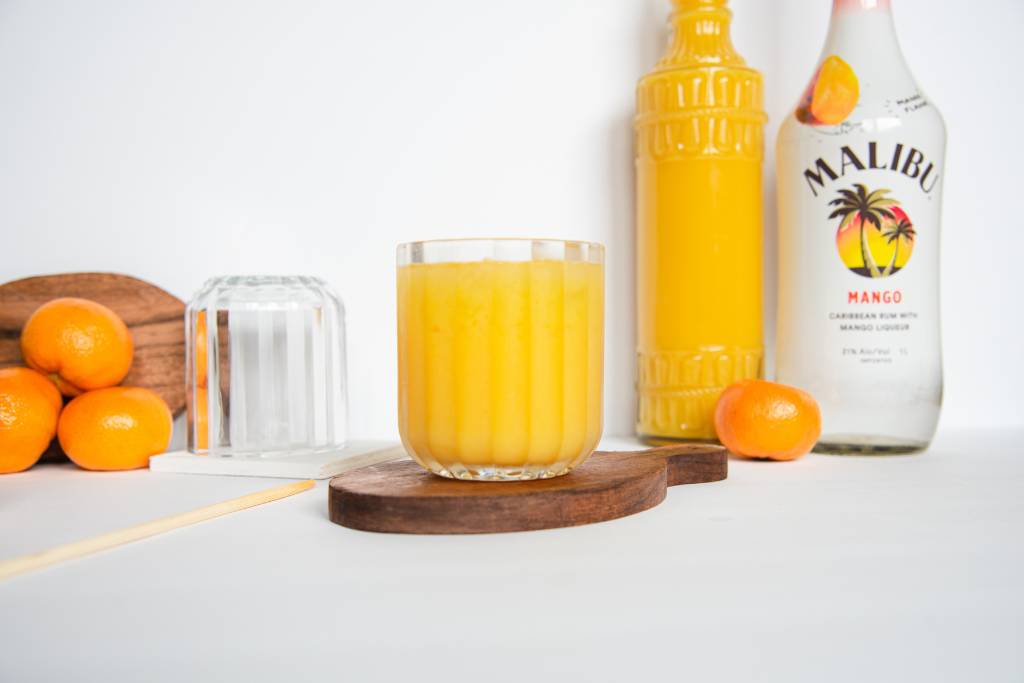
(500, 365)
(699, 146)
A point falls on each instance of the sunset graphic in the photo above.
(875, 236)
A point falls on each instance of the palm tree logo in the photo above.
(893, 233)
(871, 229)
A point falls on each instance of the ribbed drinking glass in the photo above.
(265, 367)
(500, 356)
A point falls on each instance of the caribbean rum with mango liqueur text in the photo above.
(860, 177)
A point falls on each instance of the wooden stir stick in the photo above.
(71, 551)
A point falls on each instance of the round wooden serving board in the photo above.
(155, 318)
(401, 497)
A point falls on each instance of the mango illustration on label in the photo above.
(831, 96)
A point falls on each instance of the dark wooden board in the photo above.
(401, 497)
(155, 318)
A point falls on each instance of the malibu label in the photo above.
(909, 164)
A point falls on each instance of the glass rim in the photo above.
(475, 249)
(262, 278)
(486, 240)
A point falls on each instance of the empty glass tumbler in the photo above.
(265, 367)
(500, 356)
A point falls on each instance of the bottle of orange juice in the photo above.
(699, 153)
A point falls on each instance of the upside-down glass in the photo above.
(500, 356)
(265, 367)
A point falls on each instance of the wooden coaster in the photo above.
(401, 497)
(155, 318)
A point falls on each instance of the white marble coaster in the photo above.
(356, 454)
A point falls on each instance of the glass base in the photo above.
(655, 440)
(844, 444)
(501, 473)
(270, 453)
(677, 389)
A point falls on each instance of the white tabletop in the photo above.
(825, 569)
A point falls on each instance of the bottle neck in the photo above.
(700, 36)
(864, 28)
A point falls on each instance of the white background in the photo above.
(178, 140)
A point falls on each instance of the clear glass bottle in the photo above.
(860, 176)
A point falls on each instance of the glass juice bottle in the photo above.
(860, 164)
(699, 153)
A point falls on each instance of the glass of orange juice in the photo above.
(500, 356)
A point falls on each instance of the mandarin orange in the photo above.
(199, 413)
(79, 344)
(29, 408)
(115, 429)
(200, 345)
(760, 419)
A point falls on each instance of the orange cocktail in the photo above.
(500, 356)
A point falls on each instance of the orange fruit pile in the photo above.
(82, 349)
(760, 419)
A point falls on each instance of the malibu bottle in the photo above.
(860, 176)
